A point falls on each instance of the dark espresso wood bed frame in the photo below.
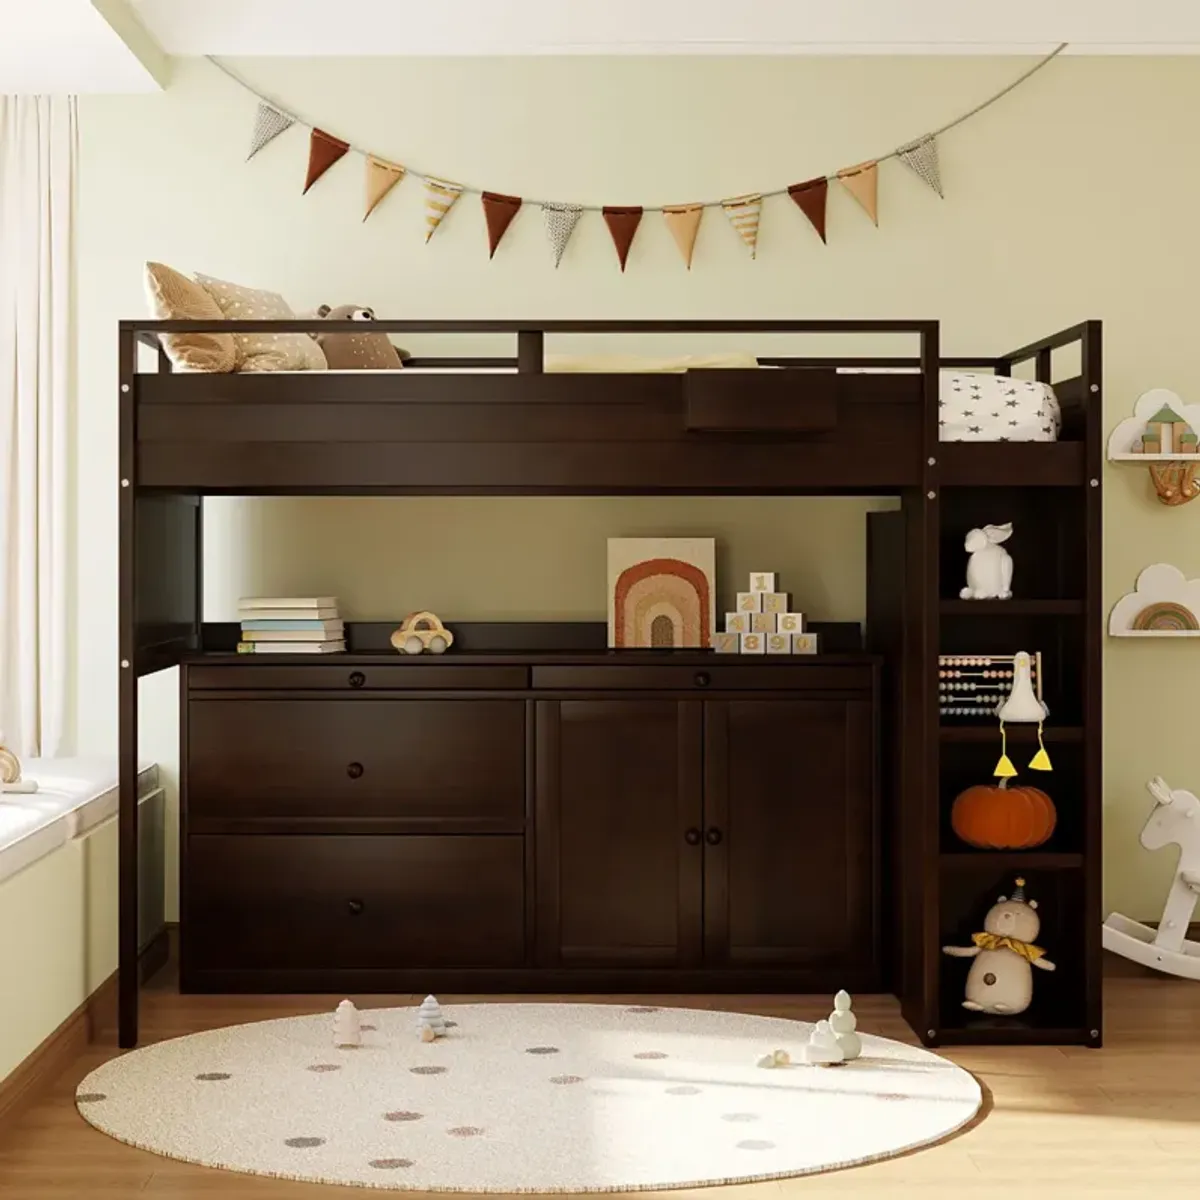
(535, 812)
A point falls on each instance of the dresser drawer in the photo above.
(790, 676)
(421, 760)
(402, 674)
(345, 902)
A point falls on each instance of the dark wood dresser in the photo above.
(539, 823)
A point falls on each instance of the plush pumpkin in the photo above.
(998, 817)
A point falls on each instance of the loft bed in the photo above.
(847, 425)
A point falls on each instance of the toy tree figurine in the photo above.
(347, 1029)
(10, 772)
(843, 1022)
(429, 1016)
(823, 1049)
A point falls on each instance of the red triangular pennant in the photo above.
(622, 225)
(323, 151)
(810, 199)
(498, 212)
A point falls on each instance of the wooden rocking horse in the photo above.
(1175, 819)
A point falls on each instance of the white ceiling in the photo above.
(463, 27)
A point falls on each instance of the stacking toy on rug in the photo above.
(823, 1049)
(347, 1026)
(843, 1022)
(430, 1022)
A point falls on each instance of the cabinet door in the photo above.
(619, 857)
(790, 833)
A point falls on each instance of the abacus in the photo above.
(972, 685)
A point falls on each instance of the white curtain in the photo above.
(38, 164)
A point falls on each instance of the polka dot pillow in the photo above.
(263, 351)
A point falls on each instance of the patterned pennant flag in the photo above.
(809, 198)
(622, 225)
(498, 212)
(440, 195)
(683, 220)
(921, 157)
(382, 176)
(323, 151)
(561, 220)
(269, 123)
(862, 182)
(743, 213)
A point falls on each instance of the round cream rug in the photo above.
(525, 1098)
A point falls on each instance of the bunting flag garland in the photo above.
(862, 182)
(561, 220)
(440, 195)
(269, 123)
(921, 157)
(622, 224)
(382, 176)
(498, 212)
(683, 220)
(743, 213)
(323, 151)
(810, 198)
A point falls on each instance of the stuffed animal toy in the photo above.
(357, 351)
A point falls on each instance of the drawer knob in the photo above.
(703, 679)
(357, 679)
(354, 770)
(692, 837)
(354, 907)
(713, 836)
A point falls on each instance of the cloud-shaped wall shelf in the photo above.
(1161, 434)
(1163, 603)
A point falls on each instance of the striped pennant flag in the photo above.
(743, 213)
(269, 123)
(440, 195)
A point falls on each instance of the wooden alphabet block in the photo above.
(727, 643)
(762, 581)
(763, 623)
(750, 602)
(775, 602)
(779, 643)
(791, 622)
(737, 622)
(753, 643)
(804, 643)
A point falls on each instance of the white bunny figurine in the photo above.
(990, 567)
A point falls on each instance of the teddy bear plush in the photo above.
(357, 351)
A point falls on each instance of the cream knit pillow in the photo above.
(263, 351)
(174, 297)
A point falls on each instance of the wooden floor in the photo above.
(1119, 1122)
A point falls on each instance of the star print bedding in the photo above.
(995, 408)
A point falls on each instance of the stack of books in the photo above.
(290, 625)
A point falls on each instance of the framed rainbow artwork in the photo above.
(661, 593)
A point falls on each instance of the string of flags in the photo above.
(743, 212)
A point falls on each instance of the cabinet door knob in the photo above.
(692, 837)
(354, 907)
(354, 770)
(703, 679)
(713, 836)
(357, 679)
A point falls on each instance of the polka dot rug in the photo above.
(525, 1098)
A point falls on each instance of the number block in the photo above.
(750, 602)
(763, 623)
(779, 643)
(762, 581)
(753, 643)
(805, 643)
(737, 622)
(791, 622)
(775, 602)
(727, 643)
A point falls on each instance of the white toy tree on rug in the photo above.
(429, 1016)
(843, 1022)
(823, 1049)
(347, 1026)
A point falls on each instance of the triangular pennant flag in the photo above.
(862, 182)
(743, 213)
(498, 212)
(382, 176)
(683, 220)
(561, 220)
(269, 123)
(921, 157)
(440, 196)
(622, 225)
(810, 198)
(323, 151)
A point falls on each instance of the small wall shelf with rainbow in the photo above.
(1161, 434)
(1163, 603)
